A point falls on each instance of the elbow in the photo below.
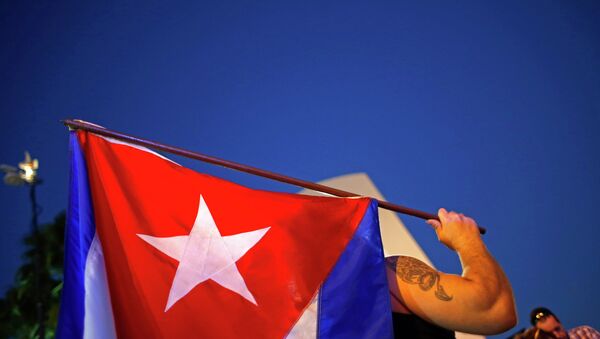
(511, 322)
(502, 316)
(499, 306)
(496, 311)
(507, 319)
(510, 315)
(507, 310)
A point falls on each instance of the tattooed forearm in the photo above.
(413, 271)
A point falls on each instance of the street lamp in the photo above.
(26, 174)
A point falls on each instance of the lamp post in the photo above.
(26, 174)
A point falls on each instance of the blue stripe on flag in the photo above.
(355, 300)
(79, 233)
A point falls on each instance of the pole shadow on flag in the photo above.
(197, 256)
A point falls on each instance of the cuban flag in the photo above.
(156, 250)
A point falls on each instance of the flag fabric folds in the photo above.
(156, 250)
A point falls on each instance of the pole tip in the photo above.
(73, 124)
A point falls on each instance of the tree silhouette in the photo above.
(18, 307)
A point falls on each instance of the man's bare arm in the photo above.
(480, 301)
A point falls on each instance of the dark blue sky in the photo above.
(492, 109)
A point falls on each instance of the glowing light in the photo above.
(28, 169)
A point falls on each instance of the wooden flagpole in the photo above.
(79, 124)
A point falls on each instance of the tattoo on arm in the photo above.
(413, 271)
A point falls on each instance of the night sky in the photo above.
(491, 109)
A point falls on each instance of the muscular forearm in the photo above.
(482, 271)
(490, 292)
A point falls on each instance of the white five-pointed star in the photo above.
(204, 254)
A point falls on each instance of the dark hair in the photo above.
(539, 312)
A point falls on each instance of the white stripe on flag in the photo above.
(98, 319)
(306, 327)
